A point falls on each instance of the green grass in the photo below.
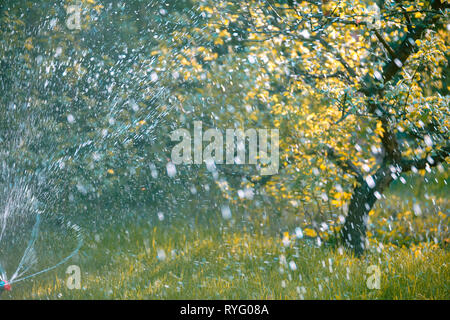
(225, 263)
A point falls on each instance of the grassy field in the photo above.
(176, 261)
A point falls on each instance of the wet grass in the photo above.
(177, 261)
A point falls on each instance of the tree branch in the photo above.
(350, 71)
(402, 52)
(384, 43)
(431, 161)
(347, 165)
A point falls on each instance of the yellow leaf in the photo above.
(98, 7)
(218, 41)
(28, 44)
(310, 232)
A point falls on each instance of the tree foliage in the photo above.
(358, 89)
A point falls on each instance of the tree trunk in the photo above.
(354, 230)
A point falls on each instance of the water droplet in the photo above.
(370, 182)
(226, 212)
(161, 255)
(70, 118)
(171, 169)
(292, 266)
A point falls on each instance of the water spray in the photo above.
(29, 259)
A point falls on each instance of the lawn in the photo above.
(179, 261)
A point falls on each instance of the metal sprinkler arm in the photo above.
(4, 285)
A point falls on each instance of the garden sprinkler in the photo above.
(29, 259)
(4, 285)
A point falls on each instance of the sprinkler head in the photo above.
(4, 285)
